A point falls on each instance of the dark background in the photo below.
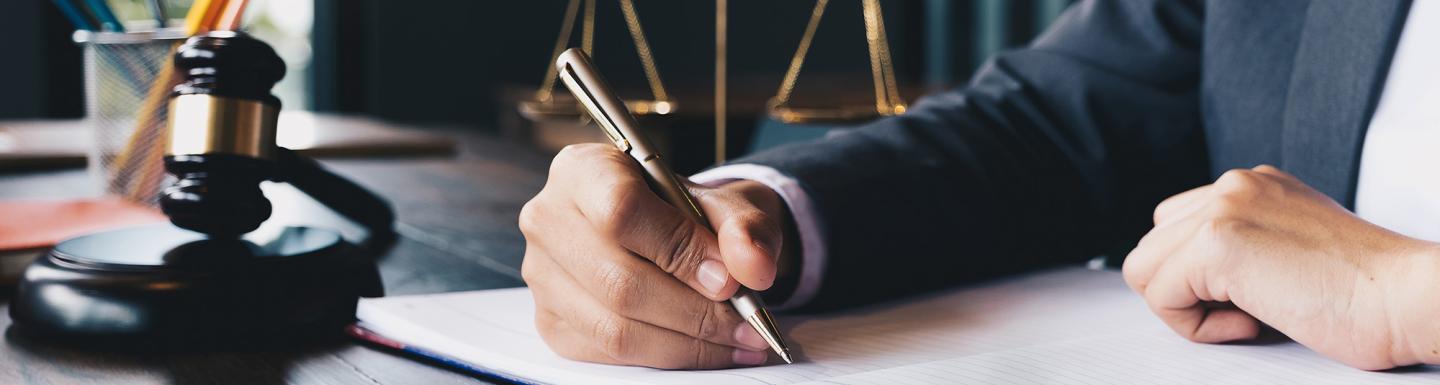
(448, 61)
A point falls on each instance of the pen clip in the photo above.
(587, 98)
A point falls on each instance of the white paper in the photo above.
(1060, 326)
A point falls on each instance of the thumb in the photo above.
(750, 238)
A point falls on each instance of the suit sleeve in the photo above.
(1054, 153)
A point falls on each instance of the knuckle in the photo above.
(543, 324)
(1229, 205)
(1130, 273)
(703, 352)
(1192, 335)
(579, 152)
(547, 328)
(528, 269)
(710, 328)
(1237, 181)
(1236, 191)
(617, 204)
(612, 336)
(621, 287)
(564, 160)
(582, 158)
(684, 252)
(530, 217)
(1220, 229)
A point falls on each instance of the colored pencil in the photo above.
(195, 19)
(74, 15)
(107, 17)
(145, 159)
(158, 11)
(233, 15)
(212, 15)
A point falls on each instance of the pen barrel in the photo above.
(611, 115)
(669, 186)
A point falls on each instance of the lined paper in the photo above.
(1060, 326)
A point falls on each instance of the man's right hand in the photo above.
(622, 277)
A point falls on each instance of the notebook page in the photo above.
(1140, 357)
(495, 329)
(1043, 327)
(491, 329)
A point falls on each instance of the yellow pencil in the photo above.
(195, 19)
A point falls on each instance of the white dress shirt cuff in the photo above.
(812, 246)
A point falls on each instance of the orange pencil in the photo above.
(144, 159)
(213, 15)
(232, 17)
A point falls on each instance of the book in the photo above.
(28, 228)
(1069, 325)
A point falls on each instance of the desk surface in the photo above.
(458, 232)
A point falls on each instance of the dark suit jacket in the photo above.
(1060, 151)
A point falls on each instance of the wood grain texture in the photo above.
(457, 220)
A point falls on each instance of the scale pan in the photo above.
(568, 108)
(830, 115)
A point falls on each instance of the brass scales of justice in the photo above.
(549, 105)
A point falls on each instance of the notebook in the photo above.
(1071, 325)
(30, 227)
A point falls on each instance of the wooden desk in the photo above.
(457, 221)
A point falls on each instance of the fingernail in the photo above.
(747, 336)
(746, 357)
(712, 275)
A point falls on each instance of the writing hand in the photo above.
(621, 277)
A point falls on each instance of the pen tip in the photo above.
(785, 355)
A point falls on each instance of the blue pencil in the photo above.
(107, 18)
(158, 11)
(76, 18)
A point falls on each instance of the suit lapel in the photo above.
(1340, 67)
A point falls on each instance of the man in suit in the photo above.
(1222, 145)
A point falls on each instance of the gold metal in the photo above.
(761, 320)
(587, 38)
(565, 107)
(792, 73)
(880, 69)
(608, 112)
(547, 86)
(642, 47)
(545, 105)
(887, 93)
(206, 124)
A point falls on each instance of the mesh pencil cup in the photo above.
(126, 109)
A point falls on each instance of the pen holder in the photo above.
(126, 109)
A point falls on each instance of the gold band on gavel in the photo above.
(206, 124)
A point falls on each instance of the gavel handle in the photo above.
(345, 197)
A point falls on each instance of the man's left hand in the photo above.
(1259, 246)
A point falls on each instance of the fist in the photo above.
(619, 276)
(1259, 247)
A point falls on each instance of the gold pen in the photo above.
(611, 115)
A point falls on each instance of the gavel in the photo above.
(222, 124)
(210, 278)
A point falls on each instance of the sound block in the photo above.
(160, 284)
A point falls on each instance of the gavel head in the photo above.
(222, 133)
